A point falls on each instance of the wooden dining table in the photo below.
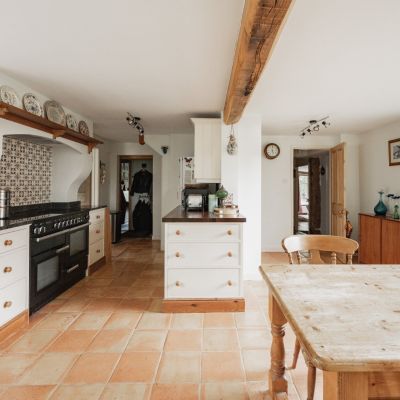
(347, 319)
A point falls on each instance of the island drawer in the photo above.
(202, 254)
(96, 232)
(202, 283)
(14, 265)
(96, 215)
(203, 232)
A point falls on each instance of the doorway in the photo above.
(311, 192)
(135, 195)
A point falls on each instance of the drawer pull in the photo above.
(177, 254)
(177, 283)
(229, 254)
(98, 251)
(230, 283)
(7, 270)
(97, 216)
(178, 232)
(7, 304)
(8, 242)
(229, 232)
(98, 231)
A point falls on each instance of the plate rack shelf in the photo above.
(23, 117)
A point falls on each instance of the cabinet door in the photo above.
(207, 150)
(370, 240)
(390, 242)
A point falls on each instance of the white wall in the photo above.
(241, 175)
(374, 163)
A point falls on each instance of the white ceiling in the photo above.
(334, 57)
(164, 61)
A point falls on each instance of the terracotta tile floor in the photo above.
(106, 339)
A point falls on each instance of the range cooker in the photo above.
(59, 254)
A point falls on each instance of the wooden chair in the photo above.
(306, 249)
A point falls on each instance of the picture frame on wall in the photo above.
(394, 152)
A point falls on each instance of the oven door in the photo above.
(79, 241)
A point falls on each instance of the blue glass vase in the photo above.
(380, 208)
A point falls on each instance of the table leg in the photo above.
(278, 385)
(345, 385)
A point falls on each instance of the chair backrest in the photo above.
(314, 244)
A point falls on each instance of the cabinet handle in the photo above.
(230, 283)
(7, 270)
(178, 232)
(97, 216)
(177, 254)
(8, 242)
(229, 232)
(98, 251)
(98, 231)
(229, 254)
(177, 283)
(7, 304)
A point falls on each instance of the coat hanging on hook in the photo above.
(232, 145)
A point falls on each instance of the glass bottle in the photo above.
(380, 208)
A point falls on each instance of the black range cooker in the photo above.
(59, 254)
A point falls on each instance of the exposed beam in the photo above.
(262, 21)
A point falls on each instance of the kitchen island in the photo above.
(203, 262)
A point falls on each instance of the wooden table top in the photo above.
(346, 317)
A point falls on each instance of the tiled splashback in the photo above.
(25, 168)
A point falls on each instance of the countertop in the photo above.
(13, 223)
(179, 214)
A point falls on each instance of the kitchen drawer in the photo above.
(202, 283)
(96, 216)
(202, 254)
(203, 232)
(96, 251)
(13, 300)
(96, 232)
(12, 239)
(14, 265)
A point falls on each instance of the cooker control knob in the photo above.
(36, 231)
(55, 225)
(63, 224)
(44, 229)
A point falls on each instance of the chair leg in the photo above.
(311, 376)
(295, 354)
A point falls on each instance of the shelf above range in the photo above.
(23, 117)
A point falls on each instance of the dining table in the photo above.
(347, 320)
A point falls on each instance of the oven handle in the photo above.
(69, 270)
(52, 235)
(61, 249)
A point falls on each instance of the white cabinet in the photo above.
(96, 235)
(14, 273)
(207, 150)
(203, 260)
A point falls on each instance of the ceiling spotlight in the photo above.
(314, 126)
(134, 122)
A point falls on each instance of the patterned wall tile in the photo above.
(25, 168)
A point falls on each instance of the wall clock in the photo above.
(271, 151)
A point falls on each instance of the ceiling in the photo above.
(164, 61)
(339, 58)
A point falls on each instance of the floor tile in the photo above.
(219, 320)
(39, 392)
(187, 321)
(250, 319)
(73, 341)
(154, 321)
(136, 367)
(13, 365)
(175, 392)
(137, 305)
(147, 341)
(102, 305)
(58, 320)
(74, 305)
(125, 391)
(256, 364)
(220, 340)
(222, 366)
(78, 392)
(224, 390)
(179, 367)
(48, 369)
(254, 338)
(183, 340)
(34, 341)
(110, 341)
(90, 321)
(123, 320)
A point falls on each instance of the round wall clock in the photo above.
(271, 151)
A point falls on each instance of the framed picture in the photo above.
(394, 152)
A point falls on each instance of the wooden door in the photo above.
(338, 210)
(390, 242)
(370, 239)
(314, 195)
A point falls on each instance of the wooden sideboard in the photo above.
(379, 240)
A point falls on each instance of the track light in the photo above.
(134, 122)
(314, 126)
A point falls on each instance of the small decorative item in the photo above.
(83, 128)
(271, 151)
(212, 203)
(394, 152)
(103, 172)
(221, 195)
(9, 96)
(232, 145)
(54, 112)
(71, 123)
(32, 105)
(396, 214)
(349, 226)
(380, 208)
(228, 201)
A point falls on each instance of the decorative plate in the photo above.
(83, 128)
(54, 112)
(32, 105)
(9, 96)
(71, 123)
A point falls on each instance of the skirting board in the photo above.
(95, 266)
(203, 306)
(12, 327)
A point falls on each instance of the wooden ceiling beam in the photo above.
(262, 20)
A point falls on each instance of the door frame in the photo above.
(326, 148)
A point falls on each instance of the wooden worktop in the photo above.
(346, 317)
(179, 214)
